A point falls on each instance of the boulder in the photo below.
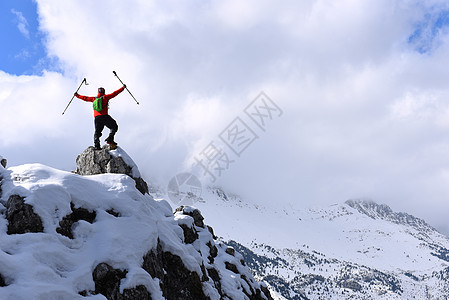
(176, 281)
(93, 162)
(107, 282)
(21, 217)
(194, 213)
(66, 224)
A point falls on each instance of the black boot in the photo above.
(110, 139)
(97, 145)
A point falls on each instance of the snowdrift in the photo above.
(67, 236)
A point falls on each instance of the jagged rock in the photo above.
(107, 282)
(3, 162)
(176, 281)
(93, 162)
(211, 230)
(21, 217)
(139, 292)
(66, 224)
(152, 262)
(179, 282)
(190, 234)
(113, 212)
(194, 213)
(173, 275)
(251, 290)
(213, 274)
(213, 252)
(231, 267)
(141, 185)
(230, 250)
(203, 270)
(266, 291)
(191, 221)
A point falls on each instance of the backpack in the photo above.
(98, 104)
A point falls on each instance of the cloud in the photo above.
(31, 108)
(22, 23)
(364, 110)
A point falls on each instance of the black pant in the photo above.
(100, 123)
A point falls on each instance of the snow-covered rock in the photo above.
(93, 162)
(21, 217)
(99, 237)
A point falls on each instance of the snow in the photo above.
(337, 232)
(354, 236)
(184, 219)
(48, 265)
(40, 262)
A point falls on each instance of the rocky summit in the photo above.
(96, 233)
(93, 162)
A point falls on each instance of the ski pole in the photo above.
(85, 82)
(125, 87)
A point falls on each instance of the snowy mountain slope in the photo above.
(356, 249)
(66, 236)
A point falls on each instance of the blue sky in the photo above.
(433, 25)
(22, 50)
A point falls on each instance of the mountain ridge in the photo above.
(358, 249)
(102, 236)
(383, 211)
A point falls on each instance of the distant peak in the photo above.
(370, 208)
(384, 212)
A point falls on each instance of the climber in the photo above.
(102, 118)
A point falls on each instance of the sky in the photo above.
(22, 50)
(295, 103)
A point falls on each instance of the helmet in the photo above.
(101, 90)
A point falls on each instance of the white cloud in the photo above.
(22, 23)
(32, 107)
